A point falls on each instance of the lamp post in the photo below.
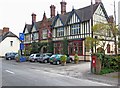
(95, 43)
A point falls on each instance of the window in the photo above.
(11, 43)
(34, 36)
(76, 47)
(75, 29)
(108, 48)
(44, 34)
(58, 47)
(60, 32)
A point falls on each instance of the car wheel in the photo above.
(70, 61)
(57, 62)
(45, 61)
(35, 60)
(9, 58)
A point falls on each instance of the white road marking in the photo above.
(9, 71)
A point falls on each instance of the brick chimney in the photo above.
(63, 7)
(5, 30)
(52, 10)
(111, 19)
(33, 17)
(97, 1)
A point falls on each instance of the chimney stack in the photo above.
(5, 30)
(33, 17)
(97, 1)
(52, 10)
(63, 7)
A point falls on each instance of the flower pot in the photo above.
(76, 62)
(63, 63)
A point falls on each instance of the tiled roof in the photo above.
(8, 34)
(28, 26)
(83, 13)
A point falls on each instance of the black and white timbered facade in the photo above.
(76, 26)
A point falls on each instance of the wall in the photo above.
(6, 47)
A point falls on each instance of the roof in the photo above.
(83, 13)
(28, 27)
(8, 34)
(37, 25)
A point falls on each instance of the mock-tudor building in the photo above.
(76, 26)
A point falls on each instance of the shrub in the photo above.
(63, 58)
(106, 70)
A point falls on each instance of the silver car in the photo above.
(34, 57)
(45, 57)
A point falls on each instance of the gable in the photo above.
(100, 15)
(58, 22)
(73, 18)
(33, 29)
(26, 31)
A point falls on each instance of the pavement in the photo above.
(82, 71)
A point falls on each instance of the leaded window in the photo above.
(60, 31)
(75, 29)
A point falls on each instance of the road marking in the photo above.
(9, 71)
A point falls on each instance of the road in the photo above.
(28, 74)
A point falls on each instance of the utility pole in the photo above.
(114, 29)
(92, 24)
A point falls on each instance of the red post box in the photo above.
(94, 61)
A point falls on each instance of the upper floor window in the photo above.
(44, 34)
(34, 36)
(60, 32)
(11, 43)
(75, 29)
(108, 48)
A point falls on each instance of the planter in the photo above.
(76, 61)
(63, 63)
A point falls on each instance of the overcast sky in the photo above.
(15, 13)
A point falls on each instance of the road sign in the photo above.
(21, 46)
(21, 36)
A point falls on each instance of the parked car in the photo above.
(45, 57)
(55, 59)
(10, 55)
(34, 57)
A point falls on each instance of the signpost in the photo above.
(21, 37)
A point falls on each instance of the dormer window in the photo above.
(44, 34)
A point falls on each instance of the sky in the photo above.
(15, 13)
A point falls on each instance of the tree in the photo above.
(34, 47)
(50, 47)
(65, 46)
(102, 32)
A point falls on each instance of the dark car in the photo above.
(45, 57)
(10, 55)
(55, 59)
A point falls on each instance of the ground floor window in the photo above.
(57, 48)
(75, 47)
